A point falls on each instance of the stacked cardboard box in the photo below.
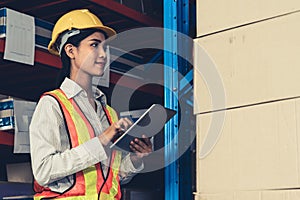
(43, 29)
(256, 155)
(6, 114)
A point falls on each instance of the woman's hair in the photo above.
(65, 59)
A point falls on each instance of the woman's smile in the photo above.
(101, 63)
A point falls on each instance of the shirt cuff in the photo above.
(127, 161)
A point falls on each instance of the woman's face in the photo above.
(90, 56)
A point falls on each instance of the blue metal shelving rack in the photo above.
(178, 177)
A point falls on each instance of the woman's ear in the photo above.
(69, 48)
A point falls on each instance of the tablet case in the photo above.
(149, 124)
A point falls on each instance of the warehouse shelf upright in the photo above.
(178, 77)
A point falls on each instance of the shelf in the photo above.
(41, 56)
(6, 138)
(112, 13)
(30, 82)
(127, 12)
(16, 190)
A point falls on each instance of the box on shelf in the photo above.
(6, 114)
(43, 29)
(258, 149)
(15, 174)
(123, 62)
(15, 113)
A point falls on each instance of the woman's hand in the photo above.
(140, 149)
(114, 130)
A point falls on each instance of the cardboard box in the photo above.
(6, 114)
(217, 15)
(258, 149)
(289, 194)
(19, 172)
(15, 113)
(123, 61)
(256, 63)
(43, 30)
(15, 116)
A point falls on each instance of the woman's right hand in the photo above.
(114, 130)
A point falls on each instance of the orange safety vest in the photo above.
(89, 183)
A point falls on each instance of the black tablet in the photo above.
(150, 123)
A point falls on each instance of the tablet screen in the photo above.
(150, 123)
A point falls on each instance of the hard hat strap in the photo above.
(65, 38)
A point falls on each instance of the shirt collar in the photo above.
(99, 95)
(71, 89)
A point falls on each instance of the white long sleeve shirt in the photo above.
(53, 161)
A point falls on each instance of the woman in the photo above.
(72, 126)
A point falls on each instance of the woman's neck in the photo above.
(85, 82)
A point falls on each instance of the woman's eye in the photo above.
(95, 44)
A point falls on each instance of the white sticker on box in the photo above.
(20, 37)
(23, 111)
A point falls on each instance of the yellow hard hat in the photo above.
(76, 19)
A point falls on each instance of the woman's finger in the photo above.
(137, 152)
(124, 123)
(137, 146)
(129, 122)
(147, 140)
(141, 143)
(142, 147)
(134, 150)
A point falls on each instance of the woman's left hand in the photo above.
(140, 149)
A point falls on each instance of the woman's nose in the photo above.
(102, 53)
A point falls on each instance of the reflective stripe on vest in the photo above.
(87, 182)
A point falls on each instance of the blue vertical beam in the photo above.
(178, 175)
(185, 161)
(183, 27)
(170, 94)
